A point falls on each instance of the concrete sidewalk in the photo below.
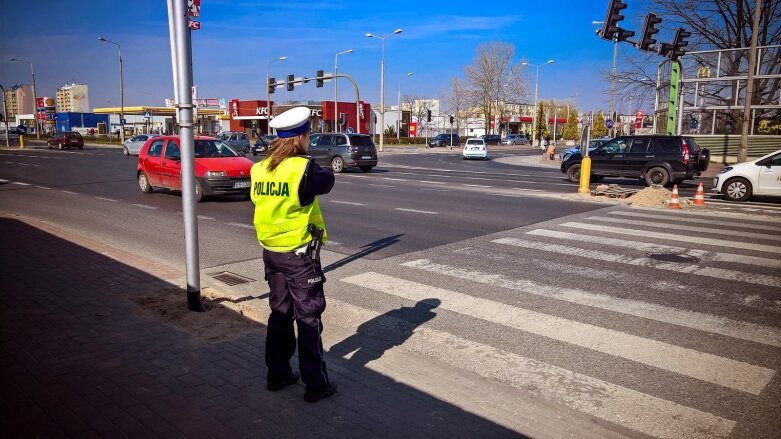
(96, 342)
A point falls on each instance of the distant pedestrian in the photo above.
(291, 229)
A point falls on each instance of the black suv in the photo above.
(657, 159)
(444, 140)
(491, 139)
(340, 150)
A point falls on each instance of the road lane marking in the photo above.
(20, 183)
(107, 199)
(70, 192)
(474, 185)
(21, 164)
(431, 182)
(204, 217)
(332, 243)
(525, 189)
(699, 365)
(659, 248)
(672, 226)
(144, 206)
(242, 225)
(698, 270)
(351, 203)
(393, 179)
(698, 220)
(427, 212)
(634, 410)
(381, 185)
(675, 237)
(689, 319)
(43, 187)
(435, 190)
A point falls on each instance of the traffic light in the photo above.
(272, 83)
(290, 85)
(428, 115)
(676, 49)
(452, 119)
(610, 27)
(319, 79)
(623, 34)
(649, 30)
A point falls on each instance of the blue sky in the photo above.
(238, 38)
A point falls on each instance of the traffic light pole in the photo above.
(752, 63)
(331, 77)
(613, 87)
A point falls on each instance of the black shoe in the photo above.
(330, 390)
(279, 385)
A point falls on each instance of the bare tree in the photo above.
(456, 101)
(492, 79)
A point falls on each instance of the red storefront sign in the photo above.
(413, 129)
(639, 119)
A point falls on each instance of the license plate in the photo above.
(240, 184)
(366, 157)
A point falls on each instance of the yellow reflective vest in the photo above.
(281, 223)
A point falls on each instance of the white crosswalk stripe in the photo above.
(763, 236)
(698, 220)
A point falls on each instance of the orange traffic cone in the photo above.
(699, 197)
(675, 203)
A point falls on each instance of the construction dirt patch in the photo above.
(224, 318)
(653, 196)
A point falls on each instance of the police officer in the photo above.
(290, 227)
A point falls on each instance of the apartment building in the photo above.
(73, 98)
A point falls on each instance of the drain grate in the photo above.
(232, 279)
(672, 257)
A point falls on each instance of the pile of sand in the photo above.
(653, 196)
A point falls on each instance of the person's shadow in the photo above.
(385, 331)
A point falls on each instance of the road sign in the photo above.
(609, 123)
(349, 130)
(21, 129)
(147, 115)
(123, 121)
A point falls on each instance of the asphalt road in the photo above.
(495, 280)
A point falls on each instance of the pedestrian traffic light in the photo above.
(319, 79)
(649, 30)
(428, 115)
(452, 119)
(610, 27)
(290, 85)
(272, 84)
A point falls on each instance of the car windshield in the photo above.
(213, 148)
(361, 141)
(73, 135)
(474, 142)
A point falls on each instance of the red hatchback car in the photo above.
(66, 139)
(219, 170)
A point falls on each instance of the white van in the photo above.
(760, 177)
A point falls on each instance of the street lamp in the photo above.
(268, 98)
(121, 92)
(571, 97)
(536, 84)
(336, 88)
(398, 104)
(382, 84)
(35, 98)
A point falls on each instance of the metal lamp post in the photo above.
(382, 84)
(398, 104)
(568, 106)
(121, 91)
(35, 98)
(268, 98)
(336, 89)
(536, 84)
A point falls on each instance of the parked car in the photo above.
(592, 145)
(12, 134)
(219, 170)
(475, 148)
(236, 140)
(133, 145)
(514, 139)
(491, 139)
(65, 139)
(445, 140)
(262, 145)
(657, 159)
(741, 181)
(343, 150)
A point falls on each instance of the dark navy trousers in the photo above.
(296, 284)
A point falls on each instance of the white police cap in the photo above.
(292, 122)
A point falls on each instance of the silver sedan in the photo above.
(134, 144)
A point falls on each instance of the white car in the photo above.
(760, 177)
(475, 148)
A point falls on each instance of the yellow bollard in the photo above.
(21, 141)
(585, 175)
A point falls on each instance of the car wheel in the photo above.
(463, 157)
(737, 189)
(199, 196)
(573, 173)
(125, 151)
(337, 165)
(657, 176)
(143, 183)
(246, 150)
(366, 168)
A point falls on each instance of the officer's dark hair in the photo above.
(287, 147)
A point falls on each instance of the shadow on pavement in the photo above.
(79, 356)
(367, 250)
